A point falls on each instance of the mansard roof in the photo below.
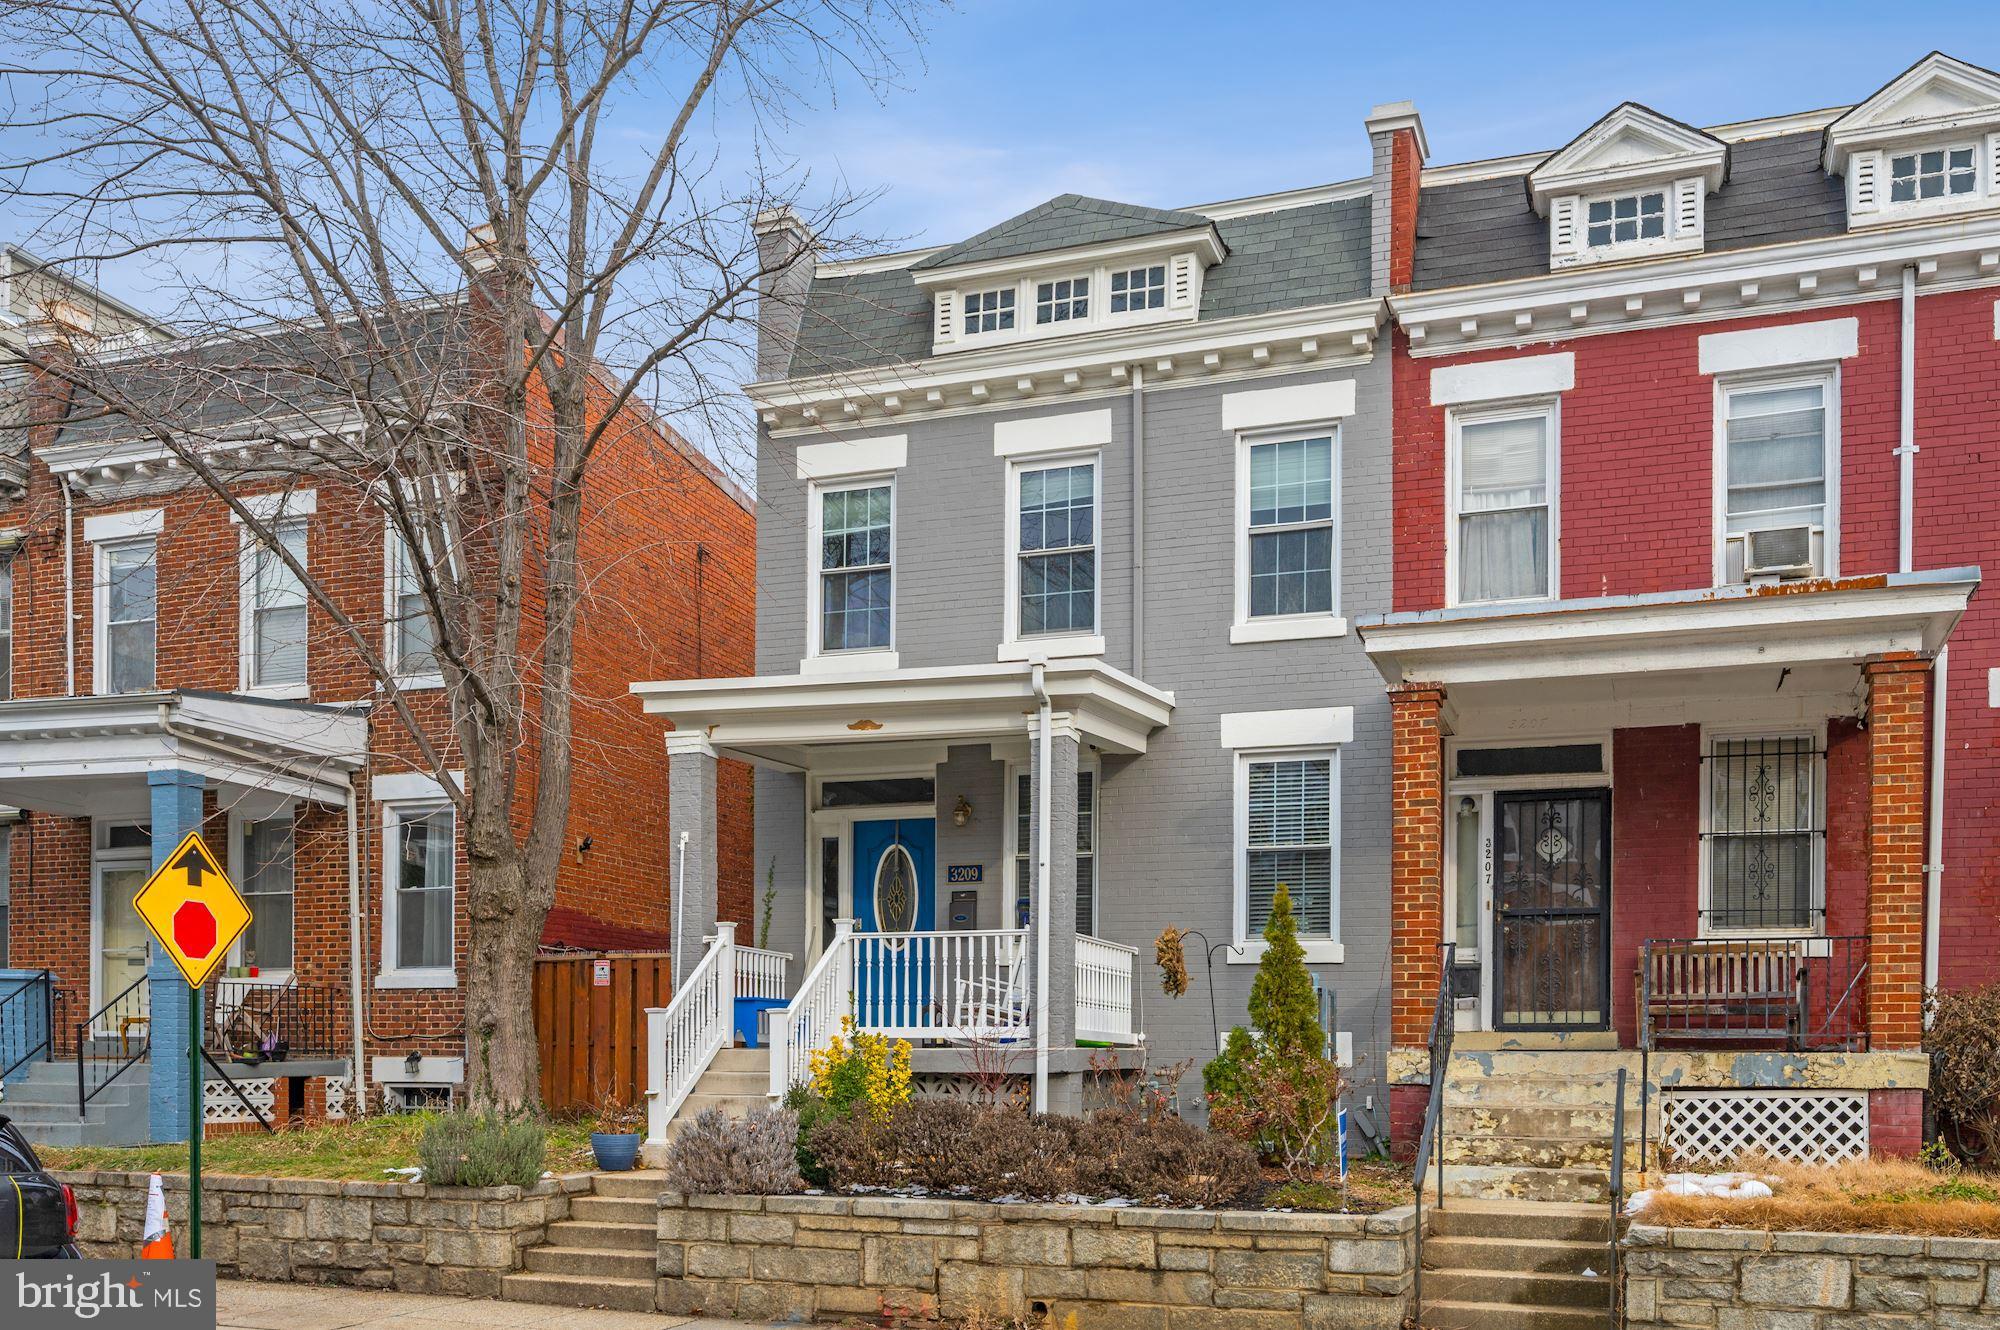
(1064, 222)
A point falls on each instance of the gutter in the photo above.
(1906, 501)
(1044, 761)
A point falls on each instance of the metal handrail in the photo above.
(126, 1058)
(1618, 1185)
(1432, 1135)
(43, 983)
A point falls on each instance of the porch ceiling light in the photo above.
(961, 814)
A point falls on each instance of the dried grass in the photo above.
(1866, 1196)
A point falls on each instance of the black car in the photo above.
(37, 1213)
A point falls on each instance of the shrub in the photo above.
(1276, 1088)
(717, 1155)
(1964, 1043)
(478, 1150)
(1161, 1159)
(857, 1068)
(810, 1110)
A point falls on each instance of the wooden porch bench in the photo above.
(1744, 990)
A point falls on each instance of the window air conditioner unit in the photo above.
(1784, 551)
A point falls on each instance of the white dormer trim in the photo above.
(1629, 148)
(1938, 104)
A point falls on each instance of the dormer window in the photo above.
(1061, 301)
(1134, 289)
(1627, 218)
(1936, 174)
(989, 311)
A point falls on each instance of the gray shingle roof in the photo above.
(1292, 259)
(1477, 231)
(1064, 221)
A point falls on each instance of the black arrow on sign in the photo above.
(194, 866)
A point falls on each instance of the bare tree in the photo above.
(434, 250)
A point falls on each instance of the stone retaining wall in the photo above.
(820, 1257)
(1736, 1279)
(406, 1236)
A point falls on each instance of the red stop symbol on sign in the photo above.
(194, 930)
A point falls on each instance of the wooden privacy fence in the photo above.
(590, 1020)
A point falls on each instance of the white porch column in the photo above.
(691, 844)
(1052, 916)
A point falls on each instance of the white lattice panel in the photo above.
(1717, 1127)
(336, 1097)
(220, 1104)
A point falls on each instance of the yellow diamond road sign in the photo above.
(193, 909)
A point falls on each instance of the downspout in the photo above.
(356, 992)
(1139, 520)
(1043, 762)
(69, 586)
(1934, 860)
(1906, 445)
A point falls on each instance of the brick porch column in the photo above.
(1416, 858)
(691, 813)
(1896, 700)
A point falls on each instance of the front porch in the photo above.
(944, 829)
(1683, 834)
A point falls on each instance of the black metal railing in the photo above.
(254, 1021)
(27, 1022)
(1808, 993)
(1431, 1139)
(1617, 1189)
(112, 1039)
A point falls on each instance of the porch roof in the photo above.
(84, 755)
(780, 719)
(1807, 637)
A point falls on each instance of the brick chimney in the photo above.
(1396, 133)
(786, 248)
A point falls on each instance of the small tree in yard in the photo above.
(433, 254)
(1273, 1085)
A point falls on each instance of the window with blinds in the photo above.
(1505, 529)
(277, 615)
(1289, 842)
(1086, 850)
(1776, 467)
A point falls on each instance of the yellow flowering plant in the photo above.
(857, 1067)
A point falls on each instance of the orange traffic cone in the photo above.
(159, 1238)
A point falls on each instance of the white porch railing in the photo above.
(813, 1017)
(683, 1037)
(1104, 990)
(761, 973)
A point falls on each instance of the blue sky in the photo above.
(1171, 103)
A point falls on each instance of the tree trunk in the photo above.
(503, 1069)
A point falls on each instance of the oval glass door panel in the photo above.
(896, 891)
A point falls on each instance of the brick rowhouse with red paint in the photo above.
(147, 631)
(1694, 478)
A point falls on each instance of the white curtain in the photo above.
(1777, 457)
(1503, 525)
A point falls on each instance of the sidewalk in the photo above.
(247, 1305)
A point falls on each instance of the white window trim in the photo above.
(1816, 734)
(246, 598)
(391, 975)
(1455, 419)
(1012, 849)
(100, 603)
(1671, 239)
(1088, 276)
(391, 542)
(1013, 646)
(1282, 627)
(105, 528)
(1099, 318)
(818, 660)
(1246, 949)
(239, 823)
(1983, 186)
(1828, 378)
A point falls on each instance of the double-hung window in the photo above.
(130, 608)
(1775, 474)
(412, 633)
(1056, 549)
(6, 627)
(1935, 173)
(274, 621)
(1503, 500)
(418, 904)
(1290, 529)
(1764, 836)
(856, 551)
(267, 886)
(1287, 807)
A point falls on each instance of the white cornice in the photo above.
(1280, 341)
(1283, 200)
(1202, 240)
(1843, 269)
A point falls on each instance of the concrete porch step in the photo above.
(614, 1210)
(1535, 1152)
(1592, 1122)
(743, 1059)
(591, 1291)
(1553, 1256)
(1441, 1314)
(644, 1183)
(735, 1105)
(601, 1236)
(584, 1262)
(734, 1084)
(1521, 1182)
(1542, 1092)
(1519, 1288)
(1520, 1222)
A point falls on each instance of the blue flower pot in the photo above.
(616, 1152)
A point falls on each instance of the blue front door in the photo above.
(895, 874)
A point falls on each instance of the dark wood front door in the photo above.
(1552, 910)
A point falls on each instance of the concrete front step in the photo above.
(735, 1105)
(588, 1262)
(1521, 1223)
(1518, 1182)
(1440, 1314)
(615, 1210)
(1519, 1288)
(605, 1236)
(1542, 1092)
(1535, 1152)
(593, 1291)
(646, 1184)
(1553, 1256)
(743, 1060)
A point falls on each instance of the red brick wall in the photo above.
(1895, 1122)
(1655, 851)
(1406, 168)
(1895, 851)
(1846, 829)
(1416, 859)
